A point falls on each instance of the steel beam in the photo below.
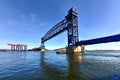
(55, 30)
(113, 38)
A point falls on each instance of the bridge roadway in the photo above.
(113, 38)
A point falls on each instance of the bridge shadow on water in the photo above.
(72, 73)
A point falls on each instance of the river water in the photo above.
(93, 65)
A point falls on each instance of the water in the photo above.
(95, 65)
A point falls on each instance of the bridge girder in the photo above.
(112, 38)
(55, 30)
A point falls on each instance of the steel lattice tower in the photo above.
(72, 22)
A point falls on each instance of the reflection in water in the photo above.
(76, 57)
(72, 73)
(50, 66)
(74, 66)
(51, 72)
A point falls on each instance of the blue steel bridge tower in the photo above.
(69, 24)
(72, 27)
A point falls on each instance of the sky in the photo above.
(26, 21)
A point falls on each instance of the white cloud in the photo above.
(23, 17)
(43, 24)
(12, 22)
(33, 17)
(27, 22)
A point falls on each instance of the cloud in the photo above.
(36, 23)
(11, 22)
(29, 23)
(43, 24)
(33, 17)
(23, 17)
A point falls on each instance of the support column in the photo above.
(11, 48)
(75, 49)
(16, 48)
(25, 48)
(20, 48)
(42, 46)
(73, 37)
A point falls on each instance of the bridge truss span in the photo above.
(69, 23)
(55, 30)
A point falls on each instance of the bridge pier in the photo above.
(43, 50)
(75, 49)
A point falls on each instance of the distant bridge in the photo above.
(70, 23)
(18, 47)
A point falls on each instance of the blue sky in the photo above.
(26, 21)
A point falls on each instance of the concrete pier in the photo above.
(43, 50)
(75, 49)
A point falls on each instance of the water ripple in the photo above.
(95, 65)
